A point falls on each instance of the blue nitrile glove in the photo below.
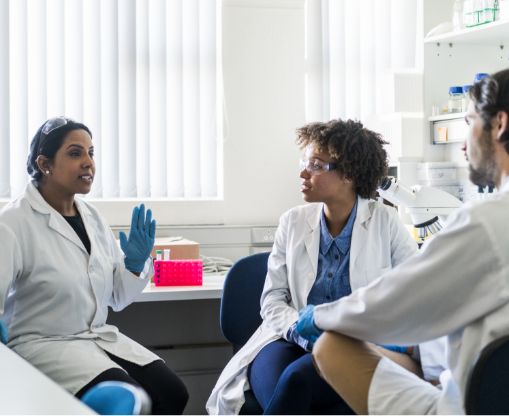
(4, 333)
(138, 246)
(293, 336)
(306, 324)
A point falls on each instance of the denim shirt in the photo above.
(333, 274)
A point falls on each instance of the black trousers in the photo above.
(168, 393)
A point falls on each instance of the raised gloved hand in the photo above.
(306, 324)
(138, 246)
(4, 334)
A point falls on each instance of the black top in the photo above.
(77, 224)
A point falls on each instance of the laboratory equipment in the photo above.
(466, 97)
(489, 11)
(178, 272)
(428, 207)
(457, 15)
(479, 76)
(454, 104)
(470, 13)
(478, 12)
(503, 9)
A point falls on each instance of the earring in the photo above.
(47, 172)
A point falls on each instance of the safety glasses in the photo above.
(54, 123)
(316, 166)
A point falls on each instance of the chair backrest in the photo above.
(117, 398)
(4, 333)
(487, 390)
(240, 303)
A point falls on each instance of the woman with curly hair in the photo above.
(324, 250)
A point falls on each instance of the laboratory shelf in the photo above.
(449, 116)
(454, 141)
(496, 33)
(448, 128)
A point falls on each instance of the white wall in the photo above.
(263, 48)
(263, 66)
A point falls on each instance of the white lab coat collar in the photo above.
(312, 240)
(56, 220)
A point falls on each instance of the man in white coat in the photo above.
(457, 286)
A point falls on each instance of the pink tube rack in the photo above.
(178, 272)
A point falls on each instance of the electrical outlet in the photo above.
(263, 235)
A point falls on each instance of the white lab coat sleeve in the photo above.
(126, 285)
(276, 310)
(403, 245)
(431, 353)
(10, 260)
(413, 302)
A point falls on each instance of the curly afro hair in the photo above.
(357, 151)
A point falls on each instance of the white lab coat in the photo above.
(458, 285)
(54, 296)
(379, 242)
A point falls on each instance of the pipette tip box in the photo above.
(178, 272)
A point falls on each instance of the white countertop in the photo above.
(212, 288)
(25, 390)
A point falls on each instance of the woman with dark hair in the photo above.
(62, 268)
(322, 252)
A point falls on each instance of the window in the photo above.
(352, 48)
(141, 74)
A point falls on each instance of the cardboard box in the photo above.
(180, 249)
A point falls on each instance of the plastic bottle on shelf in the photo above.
(466, 97)
(479, 76)
(468, 8)
(457, 15)
(488, 11)
(503, 9)
(471, 12)
(455, 99)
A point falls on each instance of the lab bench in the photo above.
(211, 288)
(181, 325)
(25, 390)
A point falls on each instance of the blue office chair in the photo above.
(4, 333)
(487, 391)
(117, 398)
(240, 309)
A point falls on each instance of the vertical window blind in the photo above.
(141, 74)
(350, 48)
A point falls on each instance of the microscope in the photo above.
(428, 207)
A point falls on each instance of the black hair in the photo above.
(48, 145)
(491, 95)
(357, 151)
